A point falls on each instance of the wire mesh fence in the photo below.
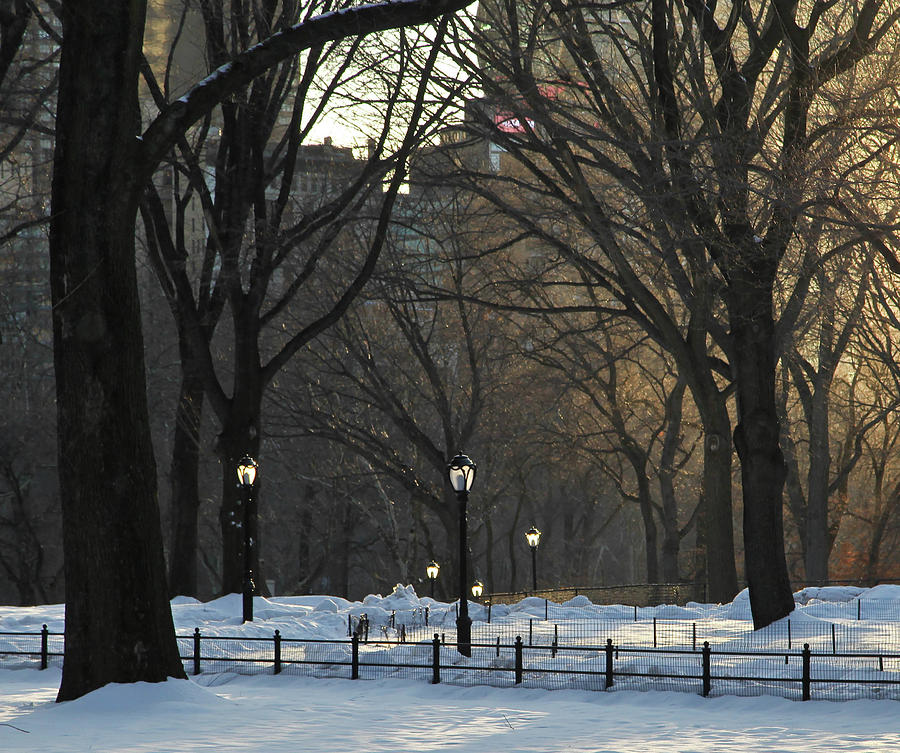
(800, 658)
(41, 649)
(786, 635)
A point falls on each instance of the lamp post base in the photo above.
(464, 635)
(249, 590)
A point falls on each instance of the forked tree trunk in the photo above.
(118, 622)
(756, 435)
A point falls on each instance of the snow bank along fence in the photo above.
(801, 659)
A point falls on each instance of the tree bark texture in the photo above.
(817, 545)
(184, 474)
(118, 622)
(763, 468)
(651, 537)
(669, 501)
(716, 514)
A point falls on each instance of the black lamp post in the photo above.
(461, 471)
(431, 570)
(246, 471)
(533, 537)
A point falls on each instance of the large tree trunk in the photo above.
(651, 555)
(717, 523)
(669, 502)
(715, 528)
(118, 622)
(184, 481)
(240, 435)
(818, 545)
(763, 468)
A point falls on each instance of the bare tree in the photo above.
(625, 414)
(29, 53)
(29, 521)
(118, 622)
(279, 252)
(818, 344)
(686, 142)
(405, 386)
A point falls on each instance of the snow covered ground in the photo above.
(224, 711)
(290, 714)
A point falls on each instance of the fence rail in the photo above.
(801, 671)
(35, 645)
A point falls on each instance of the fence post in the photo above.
(858, 609)
(555, 641)
(498, 645)
(654, 632)
(435, 660)
(196, 651)
(403, 634)
(693, 636)
(354, 657)
(44, 651)
(789, 635)
(366, 628)
(349, 625)
(635, 612)
(490, 604)
(546, 609)
(806, 671)
(609, 664)
(277, 639)
(530, 632)
(833, 640)
(518, 659)
(707, 671)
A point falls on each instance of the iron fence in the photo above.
(822, 668)
(23, 649)
(801, 672)
(592, 619)
(848, 635)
